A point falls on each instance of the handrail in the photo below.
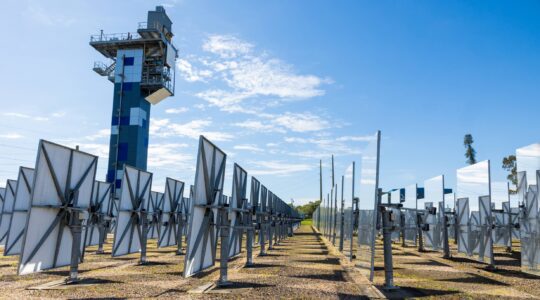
(115, 37)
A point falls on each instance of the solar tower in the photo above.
(141, 67)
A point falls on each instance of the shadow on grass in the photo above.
(426, 263)
(335, 276)
(512, 273)
(244, 285)
(409, 292)
(475, 279)
(155, 263)
(327, 261)
(262, 266)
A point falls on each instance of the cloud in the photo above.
(59, 114)
(361, 138)
(226, 46)
(38, 14)
(170, 3)
(258, 126)
(189, 73)
(101, 150)
(248, 76)
(248, 147)
(176, 110)
(103, 133)
(11, 136)
(192, 129)
(301, 122)
(278, 168)
(25, 116)
(282, 123)
(167, 155)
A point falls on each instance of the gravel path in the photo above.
(301, 267)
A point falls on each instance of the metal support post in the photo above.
(75, 225)
(179, 233)
(446, 246)
(419, 223)
(224, 254)
(144, 232)
(388, 226)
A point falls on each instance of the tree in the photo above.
(470, 153)
(308, 209)
(509, 164)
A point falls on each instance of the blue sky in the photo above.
(281, 84)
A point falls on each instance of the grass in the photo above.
(307, 222)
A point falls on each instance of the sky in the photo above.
(280, 85)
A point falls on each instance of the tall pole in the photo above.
(320, 196)
(342, 216)
(333, 183)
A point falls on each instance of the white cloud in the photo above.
(226, 46)
(170, 3)
(38, 14)
(299, 122)
(192, 129)
(278, 168)
(59, 114)
(167, 155)
(101, 150)
(189, 73)
(25, 116)
(361, 138)
(11, 136)
(258, 126)
(247, 75)
(103, 133)
(248, 147)
(176, 110)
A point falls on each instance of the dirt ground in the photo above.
(301, 267)
(428, 274)
(305, 266)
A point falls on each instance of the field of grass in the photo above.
(307, 222)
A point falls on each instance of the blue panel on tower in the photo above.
(127, 86)
(110, 175)
(128, 61)
(122, 151)
(118, 183)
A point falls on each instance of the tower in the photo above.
(142, 68)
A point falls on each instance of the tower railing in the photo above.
(115, 37)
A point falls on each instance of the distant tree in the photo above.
(509, 164)
(308, 209)
(470, 153)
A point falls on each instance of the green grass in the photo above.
(307, 222)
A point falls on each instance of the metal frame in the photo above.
(7, 210)
(99, 216)
(154, 213)
(19, 211)
(237, 210)
(208, 190)
(171, 220)
(131, 230)
(61, 191)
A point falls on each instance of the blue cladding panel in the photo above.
(128, 61)
(110, 175)
(122, 151)
(118, 183)
(127, 86)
